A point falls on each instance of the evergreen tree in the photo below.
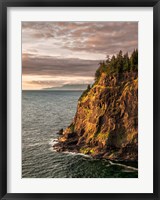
(118, 64)
(88, 87)
(126, 62)
(134, 60)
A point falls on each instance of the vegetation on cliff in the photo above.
(106, 121)
(118, 64)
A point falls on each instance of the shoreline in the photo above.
(129, 164)
(72, 147)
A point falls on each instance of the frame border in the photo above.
(4, 4)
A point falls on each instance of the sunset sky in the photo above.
(58, 53)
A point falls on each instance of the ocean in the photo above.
(44, 113)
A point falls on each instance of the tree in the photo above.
(88, 87)
(134, 60)
(126, 62)
(118, 64)
(108, 59)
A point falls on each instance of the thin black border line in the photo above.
(80, 3)
(3, 94)
(3, 102)
(156, 97)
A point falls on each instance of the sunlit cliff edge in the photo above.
(106, 121)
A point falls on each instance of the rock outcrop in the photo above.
(106, 122)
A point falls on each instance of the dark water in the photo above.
(43, 114)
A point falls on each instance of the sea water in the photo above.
(44, 113)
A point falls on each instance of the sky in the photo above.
(59, 53)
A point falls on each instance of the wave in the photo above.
(122, 165)
(75, 153)
(53, 141)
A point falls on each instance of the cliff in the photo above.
(106, 122)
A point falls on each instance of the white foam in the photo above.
(53, 142)
(74, 153)
(122, 165)
(52, 149)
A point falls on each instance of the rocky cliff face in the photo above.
(106, 122)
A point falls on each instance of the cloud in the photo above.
(46, 65)
(57, 53)
(97, 37)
